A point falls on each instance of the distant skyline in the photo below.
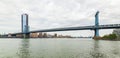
(45, 14)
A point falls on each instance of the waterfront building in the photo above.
(55, 35)
(45, 35)
(18, 35)
(34, 35)
(40, 35)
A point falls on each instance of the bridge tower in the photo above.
(96, 24)
(25, 26)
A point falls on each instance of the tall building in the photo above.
(25, 26)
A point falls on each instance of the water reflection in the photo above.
(24, 49)
(68, 49)
(96, 53)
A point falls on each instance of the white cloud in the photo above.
(57, 13)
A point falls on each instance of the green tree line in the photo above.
(110, 37)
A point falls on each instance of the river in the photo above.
(58, 48)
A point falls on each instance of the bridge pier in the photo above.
(96, 34)
(27, 35)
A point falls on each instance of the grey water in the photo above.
(58, 48)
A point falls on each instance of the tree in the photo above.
(110, 37)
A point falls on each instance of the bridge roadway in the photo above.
(109, 26)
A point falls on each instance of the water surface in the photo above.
(58, 48)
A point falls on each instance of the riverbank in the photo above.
(107, 37)
(101, 38)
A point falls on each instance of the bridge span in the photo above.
(25, 27)
(109, 26)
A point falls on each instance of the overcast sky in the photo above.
(45, 14)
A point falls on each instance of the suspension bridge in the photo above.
(25, 27)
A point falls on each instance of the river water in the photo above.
(58, 48)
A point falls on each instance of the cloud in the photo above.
(57, 13)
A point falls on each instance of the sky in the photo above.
(46, 14)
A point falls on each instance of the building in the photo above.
(55, 35)
(45, 35)
(40, 35)
(19, 35)
(34, 35)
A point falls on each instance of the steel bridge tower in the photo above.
(25, 26)
(96, 24)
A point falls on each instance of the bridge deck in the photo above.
(110, 26)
